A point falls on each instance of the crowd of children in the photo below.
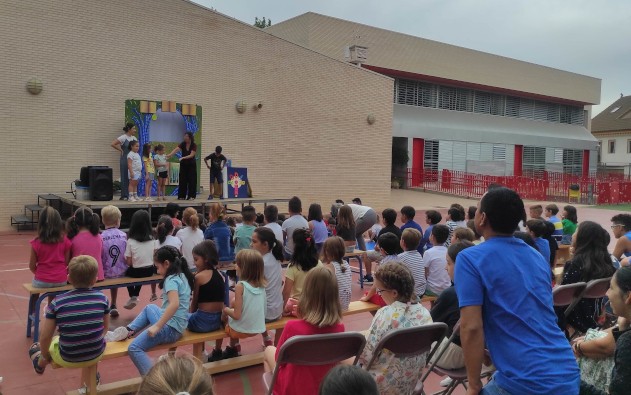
(316, 285)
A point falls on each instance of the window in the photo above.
(534, 161)
(612, 146)
(628, 146)
(431, 155)
(573, 161)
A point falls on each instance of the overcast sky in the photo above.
(582, 36)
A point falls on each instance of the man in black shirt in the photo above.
(217, 162)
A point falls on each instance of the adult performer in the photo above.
(365, 217)
(121, 144)
(188, 167)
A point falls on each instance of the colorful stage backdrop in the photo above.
(165, 122)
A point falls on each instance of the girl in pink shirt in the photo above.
(83, 230)
(50, 251)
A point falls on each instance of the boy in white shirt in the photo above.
(410, 257)
(295, 221)
(436, 262)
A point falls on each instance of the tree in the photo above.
(262, 23)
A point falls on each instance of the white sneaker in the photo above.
(131, 303)
(119, 334)
(132, 199)
(446, 382)
(150, 199)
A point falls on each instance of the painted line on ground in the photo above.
(14, 296)
(14, 270)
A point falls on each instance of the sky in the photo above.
(582, 36)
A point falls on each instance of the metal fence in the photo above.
(601, 188)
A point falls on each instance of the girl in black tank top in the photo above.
(209, 291)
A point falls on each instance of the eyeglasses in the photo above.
(615, 226)
(380, 291)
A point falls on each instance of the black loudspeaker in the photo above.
(101, 188)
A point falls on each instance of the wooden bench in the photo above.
(197, 340)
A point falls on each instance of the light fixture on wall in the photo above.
(241, 105)
(34, 86)
(371, 119)
(257, 106)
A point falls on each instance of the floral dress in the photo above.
(397, 376)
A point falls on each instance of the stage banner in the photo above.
(236, 182)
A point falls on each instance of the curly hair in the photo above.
(397, 277)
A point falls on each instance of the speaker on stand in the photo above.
(101, 188)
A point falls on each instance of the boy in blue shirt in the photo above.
(505, 299)
(407, 217)
(537, 229)
(432, 217)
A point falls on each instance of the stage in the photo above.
(66, 203)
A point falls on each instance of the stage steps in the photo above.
(30, 217)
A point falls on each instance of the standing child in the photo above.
(246, 317)
(304, 258)
(317, 226)
(208, 293)
(436, 262)
(50, 251)
(164, 231)
(139, 255)
(134, 164)
(150, 171)
(83, 229)
(264, 241)
(333, 256)
(81, 313)
(410, 257)
(166, 324)
(162, 167)
(190, 235)
(217, 162)
(114, 246)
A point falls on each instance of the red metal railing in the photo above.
(601, 188)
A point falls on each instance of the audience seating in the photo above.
(567, 295)
(316, 350)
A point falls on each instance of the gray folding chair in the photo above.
(457, 376)
(409, 342)
(316, 350)
(567, 295)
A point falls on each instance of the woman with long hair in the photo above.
(187, 188)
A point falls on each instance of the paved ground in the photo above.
(15, 365)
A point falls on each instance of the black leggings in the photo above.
(188, 180)
(138, 272)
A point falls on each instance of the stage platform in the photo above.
(67, 203)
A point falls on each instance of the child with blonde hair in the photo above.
(246, 316)
(182, 374)
(320, 312)
(191, 235)
(82, 313)
(333, 252)
(114, 246)
(150, 171)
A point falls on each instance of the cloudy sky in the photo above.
(582, 36)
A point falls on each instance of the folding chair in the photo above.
(596, 289)
(567, 295)
(316, 350)
(409, 342)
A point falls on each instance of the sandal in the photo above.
(35, 353)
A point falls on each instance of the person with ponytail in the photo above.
(122, 145)
(83, 231)
(333, 253)
(164, 232)
(264, 241)
(190, 235)
(166, 324)
(303, 259)
(139, 255)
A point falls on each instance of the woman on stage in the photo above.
(121, 144)
(188, 167)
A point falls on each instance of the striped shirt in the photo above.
(343, 283)
(414, 261)
(79, 316)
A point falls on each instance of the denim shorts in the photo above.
(41, 284)
(202, 321)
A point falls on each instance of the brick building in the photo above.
(459, 109)
(311, 137)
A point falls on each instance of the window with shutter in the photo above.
(431, 155)
(512, 106)
(427, 94)
(573, 161)
(499, 152)
(533, 161)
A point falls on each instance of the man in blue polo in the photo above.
(505, 299)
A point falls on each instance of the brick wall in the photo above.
(310, 138)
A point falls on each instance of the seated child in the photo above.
(389, 218)
(389, 246)
(460, 234)
(333, 257)
(50, 251)
(411, 258)
(537, 229)
(80, 313)
(320, 313)
(182, 374)
(407, 217)
(113, 254)
(304, 258)
(348, 379)
(402, 310)
(436, 262)
(432, 217)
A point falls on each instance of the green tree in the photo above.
(262, 23)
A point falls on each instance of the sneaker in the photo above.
(84, 389)
(216, 355)
(446, 382)
(153, 298)
(118, 335)
(368, 279)
(221, 197)
(132, 199)
(230, 352)
(123, 198)
(150, 199)
(113, 311)
(210, 197)
(131, 303)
